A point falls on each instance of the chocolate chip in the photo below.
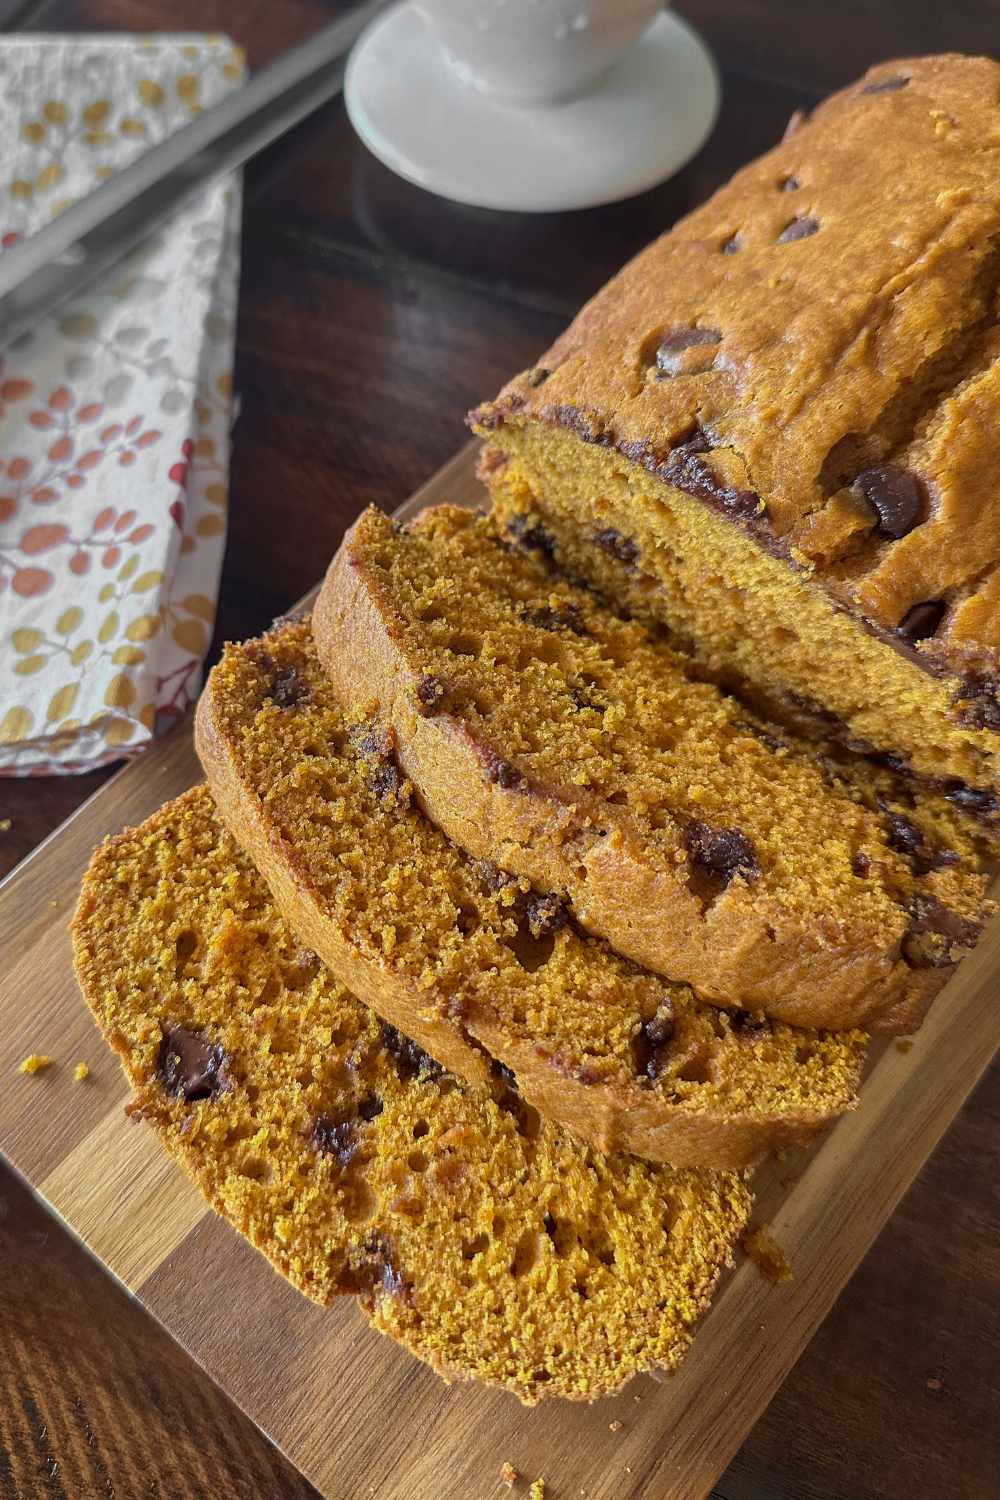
(566, 617)
(538, 376)
(799, 229)
(411, 1060)
(749, 1026)
(685, 468)
(860, 864)
(977, 702)
(790, 185)
(730, 246)
(305, 958)
(584, 697)
(685, 338)
(545, 914)
(505, 775)
(288, 688)
(895, 494)
(934, 859)
(492, 877)
(430, 694)
(190, 1064)
(373, 1269)
(904, 835)
(280, 621)
(615, 545)
(885, 86)
(970, 799)
(935, 933)
(334, 1136)
(922, 620)
(722, 853)
(532, 536)
(371, 1107)
(388, 783)
(651, 1041)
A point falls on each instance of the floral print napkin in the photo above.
(114, 412)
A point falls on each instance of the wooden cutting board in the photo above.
(358, 1415)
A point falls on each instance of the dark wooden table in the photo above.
(372, 317)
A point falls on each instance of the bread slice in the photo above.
(471, 962)
(576, 749)
(476, 1234)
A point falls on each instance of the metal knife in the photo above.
(55, 264)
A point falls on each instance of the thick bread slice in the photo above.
(547, 735)
(471, 962)
(477, 1235)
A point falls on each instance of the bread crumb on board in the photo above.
(537, 1491)
(767, 1255)
(508, 1474)
(80, 1072)
(615, 1426)
(35, 1063)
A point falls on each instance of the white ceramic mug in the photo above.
(534, 51)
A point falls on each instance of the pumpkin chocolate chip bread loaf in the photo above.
(473, 963)
(547, 735)
(479, 1236)
(775, 431)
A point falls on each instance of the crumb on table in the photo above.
(508, 1474)
(80, 1072)
(4, 825)
(537, 1491)
(35, 1063)
(767, 1255)
(615, 1426)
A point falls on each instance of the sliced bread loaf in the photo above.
(574, 748)
(479, 1236)
(472, 962)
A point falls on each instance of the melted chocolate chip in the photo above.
(566, 617)
(281, 620)
(615, 545)
(538, 376)
(430, 694)
(684, 338)
(687, 470)
(505, 775)
(790, 185)
(651, 1041)
(731, 246)
(977, 702)
(904, 835)
(748, 1026)
(532, 536)
(388, 783)
(970, 799)
(885, 86)
(895, 494)
(584, 697)
(374, 1269)
(334, 1136)
(722, 853)
(411, 1060)
(369, 1108)
(545, 914)
(929, 919)
(492, 877)
(288, 688)
(305, 958)
(798, 229)
(860, 864)
(920, 622)
(190, 1064)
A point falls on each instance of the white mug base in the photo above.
(648, 115)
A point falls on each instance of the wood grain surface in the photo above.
(353, 1412)
(372, 316)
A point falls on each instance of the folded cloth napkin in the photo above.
(114, 412)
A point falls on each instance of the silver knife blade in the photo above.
(55, 264)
